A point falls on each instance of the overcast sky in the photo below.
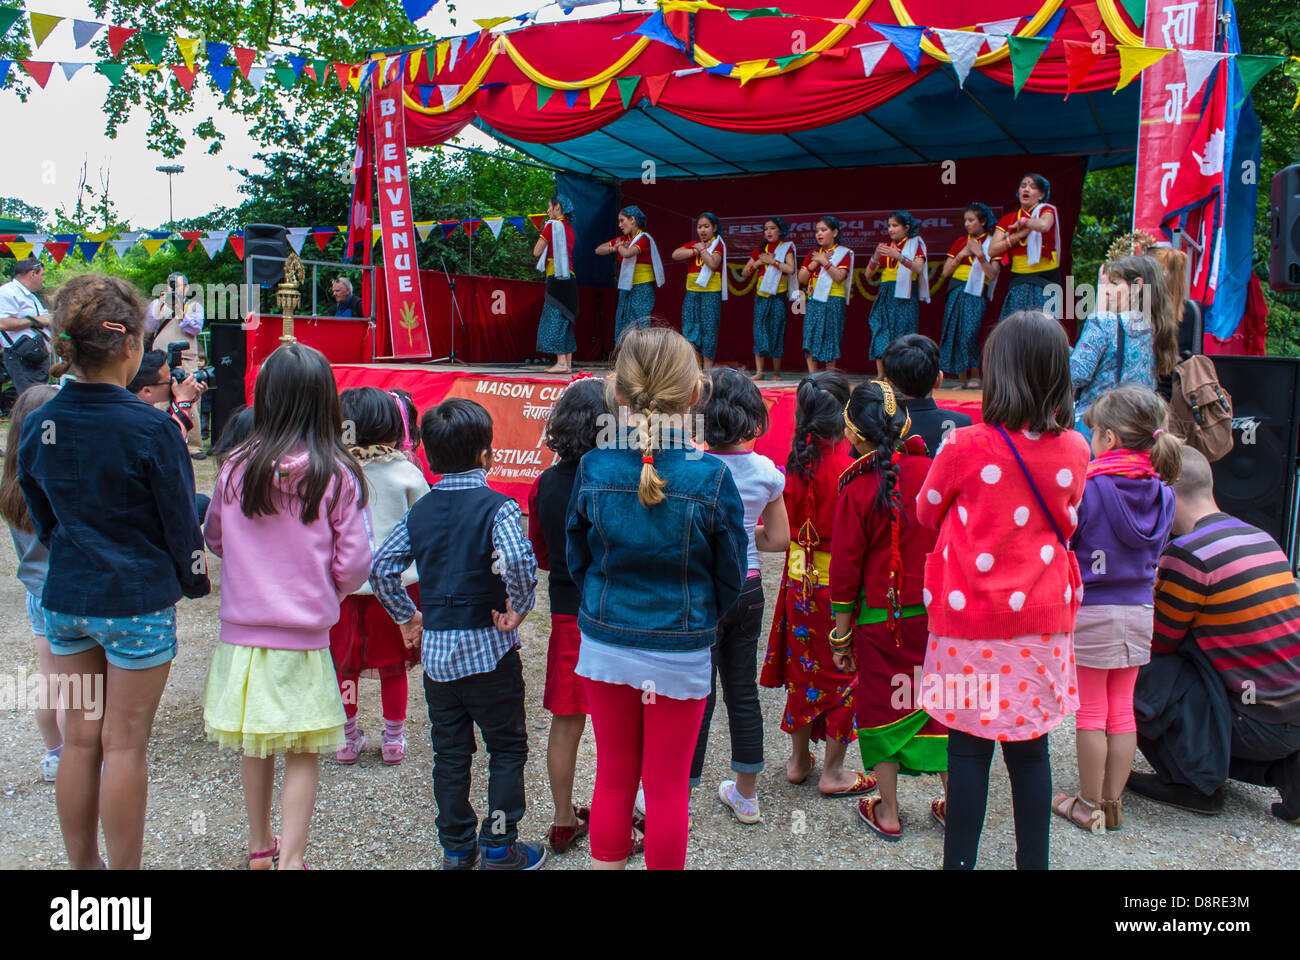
(61, 126)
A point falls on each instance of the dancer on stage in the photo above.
(777, 258)
(554, 250)
(706, 287)
(640, 271)
(901, 263)
(1031, 235)
(827, 278)
(973, 273)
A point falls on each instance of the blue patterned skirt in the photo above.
(701, 314)
(634, 308)
(555, 329)
(959, 347)
(823, 329)
(892, 318)
(1028, 291)
(769, 325)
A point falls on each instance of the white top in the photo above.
(17, 301)
(759, 483)
(393, 484)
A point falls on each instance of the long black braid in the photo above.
(819, 415)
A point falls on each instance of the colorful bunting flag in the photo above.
(216, 54)
(83, 31)
(570, 98)
(997, 31)
(656, 29)
(448, 227)
(543, 95)
(155, 45)
(1089, 15)
(42, 24)
(537, 219)
(297, 64)
(1049, 30)
(237, 245)
(491, 22)
(111, 70)
(341, 71)
(1252, 68)
(417, 9)
(222, 75)
(627, 87)
(1025, 53)
(120, 247)
(298, 236)
(454, 53)
(440, 55)
(470, 226)
(70, 69)
(426, 93)
(1133, 60)
(518, 93)
(783, 62)
(1080, 55)
(906, 39)
(654, 87)
(424, 228)
(721, 69)
(8, 17)
(320, 70)
(21, 250)
(38, 70)
(1136, 10)
(449, 92)
(88, 249)
(256, 77)
(494, 224)
(1197, 65)
(871, 54)
(244, 57)
(323, 236)
(747, 70)
(516, 222)
(962, 47)
(58, 249)
(597, 93)
(284, 74)
(188, 47)
(184, 76)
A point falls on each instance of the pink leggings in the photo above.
(392, 692)
(647, 743)
(1106, 699)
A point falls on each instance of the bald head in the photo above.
(1194, 492)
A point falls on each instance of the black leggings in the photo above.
(968, 792)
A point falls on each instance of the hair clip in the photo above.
(65, 336)
(891, 404)
(109, 324)
(848, 422)
(1156, 435)
(648, 458)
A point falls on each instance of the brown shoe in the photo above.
(561, 838)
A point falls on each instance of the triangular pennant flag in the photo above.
(83, 31)
(449, 92)
(38, 249)
(216, 54)
(751, 14)
(747, 70)
(656, 28)
(871, 54)
(284, 74)
(131, 236)
(111, 70)
(1080, 55)
(323, 236)
(144, 69)
(244, 57)
(1089, 15)
(516, 222)
(1025, 53)
(597, 93)
(38, 70)
(627, 87)
(838, 53)
(1049, 30)
(4, 70)
(570, 98)
(366, 72)
(449, 227)
(155, 45)
(426, 93)
(654, 87)
(38, 238)
(720, 69)
(341, 71)
(906, 39)
(159, 234)
(1197, 64)
(21, 250)
(188, 46)
(320, 70)
(470, 226)
(1133, 60)
(783, 62)
(70, 69)
(962, 47)
(494, 224)
(537, 219)
(543, 95)
(184, 76)
(491, 22)
(1136, 10)
(417, 57)
(1253, 67)
(42, 24)
(440, 55)
(297, 236)
(417, 9)
(88, 249)
(474, 38)
(57, 249)
(212, 246)
(65, 237)
(519, 93)
(237, 245)
(118, 36)
(120, 247)
(297, 63)
(424, 228)
(256, 77)
(8, 17)
(222, 74)
(454, 52)
(997, 31)
(98, 237)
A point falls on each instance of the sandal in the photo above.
(1095, 821)
(638, 839)
(561, 838)
(863, 784)
(867, 811)
(939, 810)
(1114, 811)
(268, 855)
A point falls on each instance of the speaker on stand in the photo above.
(229, 363)
(1284, 230)
(266, 246)
(1257, 481)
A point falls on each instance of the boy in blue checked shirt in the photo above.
(478, 577)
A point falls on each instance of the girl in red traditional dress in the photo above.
(818, 696)
(877, 574)
(1029, 237)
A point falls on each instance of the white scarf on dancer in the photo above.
(975, 285)
(1034, 242)
(822, 288)
(903, 279)
(706, 272)
(772, 273)
(629, 264)
(560, 241)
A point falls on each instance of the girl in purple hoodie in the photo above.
(1125, 517)
(287, 519)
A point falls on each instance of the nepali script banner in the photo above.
(860, 230)
(408, 331)
(1169, 111)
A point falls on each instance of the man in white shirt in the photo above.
(23, 317)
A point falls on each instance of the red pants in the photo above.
(1106, 699)
(647, 743)
(392, 692)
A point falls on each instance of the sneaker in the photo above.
(517, 856)
(745, 809)
(640, 801)
(394, 751)
(463, 860)
(638, 815)
(49, 768)
(350, 752)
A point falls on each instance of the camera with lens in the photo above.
(204, 375)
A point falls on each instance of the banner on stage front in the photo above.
(407, 328)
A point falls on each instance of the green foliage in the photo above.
(11, 208)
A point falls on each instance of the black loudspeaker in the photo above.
(1284, 230)
(1256, 481)
(227, 357)
(266, 240)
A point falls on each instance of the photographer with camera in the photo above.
(158, 383)
(174, 315)
(23, 326)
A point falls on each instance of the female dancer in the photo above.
(901, 262)
(777, 258)
(640, 271)
(554, 250)
(827, 278)
(706, 287)
(1032, 235)
(973, 274)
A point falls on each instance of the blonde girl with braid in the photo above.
(657, 547)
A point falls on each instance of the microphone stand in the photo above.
(456, 316)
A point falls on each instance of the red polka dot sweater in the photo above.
(998, 570)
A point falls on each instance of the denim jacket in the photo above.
(656, 578)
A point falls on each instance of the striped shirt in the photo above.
(452, 654)
(1229, 587)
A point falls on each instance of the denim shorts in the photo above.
(35, 615)
(130, 643)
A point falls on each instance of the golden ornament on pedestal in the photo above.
(288, 297)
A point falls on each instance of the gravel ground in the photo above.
(373, 816)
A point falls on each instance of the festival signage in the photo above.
(1169, 111)
(407, 328)
(861, 230)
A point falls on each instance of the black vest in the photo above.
(451, 537)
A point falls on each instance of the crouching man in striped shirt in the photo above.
(1220, 698)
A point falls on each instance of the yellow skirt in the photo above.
(266, 701)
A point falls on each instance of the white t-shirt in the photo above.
(17, 301)
(759, 483)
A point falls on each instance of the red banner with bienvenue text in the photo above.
(407, 329)
(1170, 111)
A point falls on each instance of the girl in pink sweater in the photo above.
(287, 520)
(1002, 587)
